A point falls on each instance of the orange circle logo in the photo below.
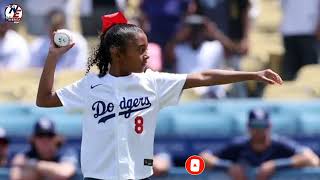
(194, 165)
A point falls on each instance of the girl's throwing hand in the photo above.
(58, 51)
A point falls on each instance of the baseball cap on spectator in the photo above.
(3, 136)
(44, 127)
(258, 118)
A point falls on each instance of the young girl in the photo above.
(121, 102)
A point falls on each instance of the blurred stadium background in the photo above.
(294, 106)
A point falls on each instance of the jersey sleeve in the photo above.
(169, 87)
(73, 95)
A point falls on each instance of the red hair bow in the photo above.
(112, 19)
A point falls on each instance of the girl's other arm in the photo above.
(216, 77)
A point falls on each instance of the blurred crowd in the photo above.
(184, 35)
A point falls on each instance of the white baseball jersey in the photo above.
(121, 112)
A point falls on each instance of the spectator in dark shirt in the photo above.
(299, 28)
(260, 150)
(45, 159)
(232, 19)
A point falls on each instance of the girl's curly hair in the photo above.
(117, 36)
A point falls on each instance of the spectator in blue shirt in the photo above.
(260, 150)
(45, 159)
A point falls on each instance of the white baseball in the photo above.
(63, 37)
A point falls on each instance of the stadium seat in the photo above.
(165, 117)
(236, 105)
(305, 86)
(14, 108)
(189, 95)
(310, 124)
(28, 74)
(18, 125)
(4, 173)
(68, 124)
(22, 85)
(295, 107)
(241, 122)
(241, 108)
(44, 111)
(289, 90)
(203, 106)
(203, 125)
(285, 124)
(21, 124)
(164, 122)
(308, 73)
(66, 77)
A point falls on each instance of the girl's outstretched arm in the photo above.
(46, 96)
(216, 77)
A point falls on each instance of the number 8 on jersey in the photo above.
(138, 121)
